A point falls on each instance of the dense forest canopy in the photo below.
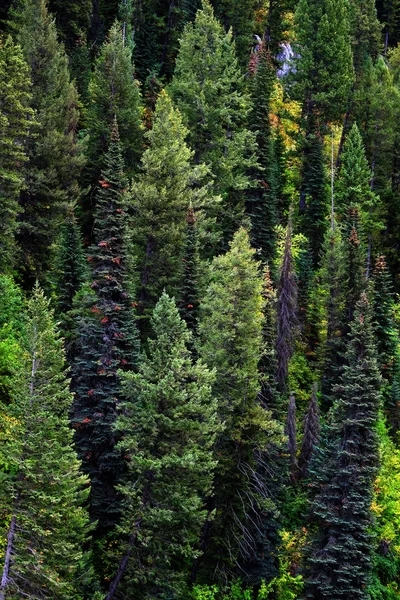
(199, 299)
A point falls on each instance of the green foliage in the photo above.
(208, 88)
(54, 159)
(161, 194)
(324, 70)
(170, 422)
(15, 116)
(230, 332)
(43, 490)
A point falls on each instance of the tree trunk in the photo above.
(7, 561)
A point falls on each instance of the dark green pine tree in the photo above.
(72, 19)
(189, 294)
(209, 90)
(106, 341)
(240, 16)
(340, 562)
(354, 271)
(55, 160)
(387, 338)
(313, 207)
(42, 492)
(268, 396)
(70, 264)
(311, 432)
(15, 116)
(169, 422)
(262, 200)
(230, 340)
(113, 92)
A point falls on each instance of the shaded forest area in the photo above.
(199, 299)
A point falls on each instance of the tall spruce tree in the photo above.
(324, 70)
(230, 332)
(54, 161)
(106, 341)
(169, 422)
(43, 491)
(340, 562)
(160, 197)
(262, 200)
(209, 90)
(287, 317)
(15, 117)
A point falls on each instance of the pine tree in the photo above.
(313, 209)
(72, 19)
(287, 319)
(189, 294)
(230, 332)
(113, 92)
(353, 186)
(70, 267)
(43, 490)
(54, 157)
(169, 422)
(311, 432)
(240, 16)
(208, 88)
(268, 396)
(262, 201)
(160, 197)
(354, 280)
(106, 341)
(15, 116)
(324, 70)
(340, 563)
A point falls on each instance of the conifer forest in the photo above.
(200, 299)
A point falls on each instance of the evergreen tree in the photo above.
(324, 70)
(230, 332)
(106, 341)
(15, 116)
(113, 92)
(287, 319)
(262, 200)
(354, 281)
(208, 88)
(169, 421)
(268, 396)
(340, 563)
(70, 267)
(189, 295)
(54, 158)
(240, 17)
(43, 490)
(160, 196)
(365, 32)
(313, 209)
(72, 19)
(311, 432)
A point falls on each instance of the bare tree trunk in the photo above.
(122, 566)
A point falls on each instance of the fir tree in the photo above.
(43, 490)
(262, 201)
(240, 16)
(230, 332)
(15, 116)
(354, 280)
(169, 422)
(324, 70)
(311, 432)
(313, 209)
(106, 341)
(340, 563)
(189, 295)
(52, 150)
(208, 88)
(160, 196)
(268, 395)
(70, 268)
(72, 19)
(287, 319)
